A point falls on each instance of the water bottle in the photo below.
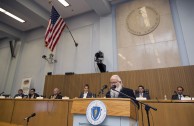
(165, 97)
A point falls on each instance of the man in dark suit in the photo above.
(33, 94)
(178, 94)
(116, 80)
(86, 93)
(56, 94)
(141, 93)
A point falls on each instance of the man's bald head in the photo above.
(56, 91)
(115, 80)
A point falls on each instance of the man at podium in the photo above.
(116, 80)
(121, 92)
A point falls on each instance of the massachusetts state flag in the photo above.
(54, 29)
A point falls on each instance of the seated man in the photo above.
(115, 80)
(141, 93)
(178, 94)
(32, 94)
(56, 94)
(20, 93)
(86, 93)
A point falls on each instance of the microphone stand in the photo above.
(27, 120)
(101, 92)
(147, 107)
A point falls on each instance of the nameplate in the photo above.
(65, 97)
(39, 98)
(2, 97)
(18, 97)
(186, 98)
(141, 98)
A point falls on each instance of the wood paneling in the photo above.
(71, 85)
(58, 112)
(70, 115)
(160, 82)
(53, 81)
(169, 113)
(8, 124)
(48, 112)
(6, 109)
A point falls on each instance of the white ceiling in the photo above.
(36, 13)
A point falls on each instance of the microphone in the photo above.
(102, 89)
(2, 93)
(175, 93)
(32, 115)
(113, 87)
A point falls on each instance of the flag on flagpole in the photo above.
(54, 29)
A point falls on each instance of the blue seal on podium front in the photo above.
(96, 112)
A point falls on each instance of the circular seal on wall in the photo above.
(142, 21)
(96, 112)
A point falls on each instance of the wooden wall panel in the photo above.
(48, 112)
(160, 82)
(58, 112)
(6, 108)
(70, 115)
(69, 86)
(169, 114)
(53, 81)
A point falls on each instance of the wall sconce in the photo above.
(50, 59)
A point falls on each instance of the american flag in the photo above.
(54, 29)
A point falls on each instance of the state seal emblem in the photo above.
(96, 112)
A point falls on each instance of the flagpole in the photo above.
(76, 44)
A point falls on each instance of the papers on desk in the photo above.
(2, 97)
(39, 98)
(65, 97)
(18, 97)
(141, 98)
(186, 98)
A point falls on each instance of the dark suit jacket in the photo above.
(144, 95)
(35, 95)
(21, 95)
(57, 97)
(175, 97)
(89, 95)
(126, 91)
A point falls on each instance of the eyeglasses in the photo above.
(113, 82)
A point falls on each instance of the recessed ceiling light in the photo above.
(64, 2)
(11, 15)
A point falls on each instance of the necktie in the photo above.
(179, 97)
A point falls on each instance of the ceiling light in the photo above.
(11, 15)
(64, 2)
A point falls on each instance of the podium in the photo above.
(120, 112)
